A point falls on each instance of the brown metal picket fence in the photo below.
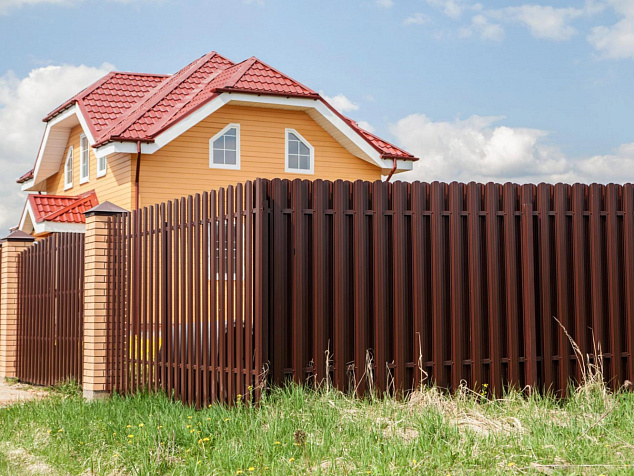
(50, 310)
(182, 298)
(373, 284)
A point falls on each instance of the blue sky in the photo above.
(487, 90)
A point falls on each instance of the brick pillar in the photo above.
(96, 265)
(12, 246)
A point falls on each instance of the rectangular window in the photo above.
(102, 166)
(84, 162)
(68, 169)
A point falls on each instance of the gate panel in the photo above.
(51, 310)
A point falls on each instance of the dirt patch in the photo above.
(11, 393)
(25, 461)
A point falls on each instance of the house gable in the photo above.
(182, 166)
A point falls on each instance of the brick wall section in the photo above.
(13, 245)
(96, 381)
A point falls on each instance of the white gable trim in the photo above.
(56, 135)
(322, 114)
(46, 226)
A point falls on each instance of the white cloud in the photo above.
(416, 19)
(384, 3)
(616, 41)
(477, 149)
(454, 8)
(618, 167)
(543, 21)
(6, 5)
(480, 149)
(484, 28)
(340, 102)
(367, 126)
(23, 104)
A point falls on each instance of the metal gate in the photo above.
(51, 310)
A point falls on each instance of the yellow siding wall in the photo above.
(115, 186)
(182, 166)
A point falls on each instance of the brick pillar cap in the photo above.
(105, 208)
(19, 235)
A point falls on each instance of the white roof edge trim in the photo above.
(26, 212)
(26, 186)
(401, 165)
(306, 103)
(73, 110)
(54, 227)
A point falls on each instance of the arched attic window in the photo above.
(224, 148)
(300, 155)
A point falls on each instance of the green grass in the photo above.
(295, 431)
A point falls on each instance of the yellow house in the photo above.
(139, 139)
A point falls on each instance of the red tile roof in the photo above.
(26, 177)
(62, 208)
(138, 107)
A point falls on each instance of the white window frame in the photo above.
(84, 159)
(69, 158)
(286, 158)
(101, 172)
(213, 165)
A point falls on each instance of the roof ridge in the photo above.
(87, 90)
(244, 67)
(285, 75)
(177, 109)
(159, 93)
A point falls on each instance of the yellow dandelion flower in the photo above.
(296, 444)
(141, 425)
(227, 419)
(200, 441)
(511, 464)
(48, 431)
(277, 443)
(191, 431)
(413, 461)
(61, 430)
(208, 419)
(189, 417)
(291, 460)
(198, 462)
(205, 439)
(128, 426)
(188, 450)
(115, 455)
(251, 468)
(130, 436)
(159, 427)
(114, 433)
(239, 471)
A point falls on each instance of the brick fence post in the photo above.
(97, 261)
(12, 246)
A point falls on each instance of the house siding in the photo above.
(182, 166)
(115, 186)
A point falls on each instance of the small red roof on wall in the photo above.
(62, 208)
